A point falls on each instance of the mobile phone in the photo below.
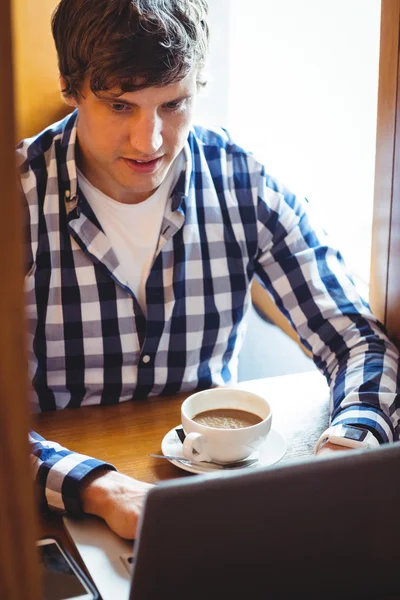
(62, 578)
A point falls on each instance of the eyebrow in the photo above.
(119, 99)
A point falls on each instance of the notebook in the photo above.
(319, 528)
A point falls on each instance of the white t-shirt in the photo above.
(133, 229)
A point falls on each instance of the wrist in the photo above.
(95, 491)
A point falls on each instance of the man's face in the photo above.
(127, 144)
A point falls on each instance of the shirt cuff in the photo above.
(61, 482)
(368, 417)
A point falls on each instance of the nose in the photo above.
(146, 134)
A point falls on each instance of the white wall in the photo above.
(296, 82)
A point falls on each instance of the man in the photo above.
(144, 234)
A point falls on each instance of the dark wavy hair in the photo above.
(129, 44)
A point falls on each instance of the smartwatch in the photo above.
(349, 436)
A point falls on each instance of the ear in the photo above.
(68, 98)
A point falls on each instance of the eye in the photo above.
(119, 107)
(174, 104)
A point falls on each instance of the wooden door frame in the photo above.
(18, 568)
(385, 256)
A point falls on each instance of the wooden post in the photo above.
(385, 258)
(18, 568)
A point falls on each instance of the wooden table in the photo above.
(125, 434)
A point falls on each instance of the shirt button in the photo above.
(146, 359)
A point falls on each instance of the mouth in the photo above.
(143, 166)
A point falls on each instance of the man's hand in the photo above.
(117, 499)
(328, 448)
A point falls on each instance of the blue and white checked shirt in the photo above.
(226, 222)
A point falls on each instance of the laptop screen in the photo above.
(320, 528)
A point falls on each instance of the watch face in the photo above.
(354, 433)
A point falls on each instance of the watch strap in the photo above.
(338, 431)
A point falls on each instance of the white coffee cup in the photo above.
(205, 443)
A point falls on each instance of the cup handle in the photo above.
(193, 447)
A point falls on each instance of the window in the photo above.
(296, 82)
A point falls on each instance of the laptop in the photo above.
(322, 528)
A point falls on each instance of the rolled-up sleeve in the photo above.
(59, 473)
(307, 278)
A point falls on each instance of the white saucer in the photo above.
(270, 452)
